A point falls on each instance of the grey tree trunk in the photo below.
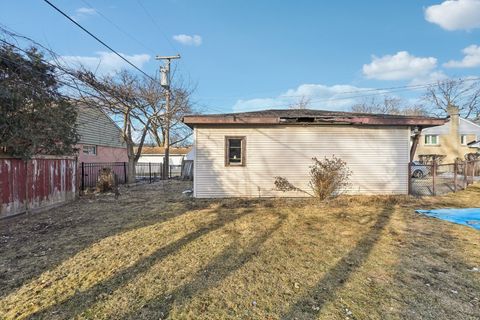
(131, 175)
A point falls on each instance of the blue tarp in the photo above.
(469, 217)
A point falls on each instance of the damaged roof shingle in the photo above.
(309, 116)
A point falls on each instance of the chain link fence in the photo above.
(437, 179)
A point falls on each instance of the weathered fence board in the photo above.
(36, 184)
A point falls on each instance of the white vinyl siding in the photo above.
(96, 128)
(377, 156)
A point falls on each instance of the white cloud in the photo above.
(432, 77)
(400, 66)
(321, 97)
(470, 60)
(185, 39)
(455, 14)
(106, 62)
(83, 12)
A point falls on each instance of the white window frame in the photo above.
(463, 139)
(429, 138)
(87, 147)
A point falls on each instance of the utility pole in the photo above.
(165, 83)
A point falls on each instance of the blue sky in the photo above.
(246, 55)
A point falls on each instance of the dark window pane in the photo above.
(235, 155)
(235, 143)
(235, 149)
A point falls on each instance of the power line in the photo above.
(383, 90)
(38, 72)
(156, 25)
(96, 38)
(160, 30)
(119, 28)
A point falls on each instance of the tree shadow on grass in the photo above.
(326, 289)
(435, 275)
(35, 243)
(232, 258)
(84, 299)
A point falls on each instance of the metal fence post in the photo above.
(150, 172)
(434, 169)
(474, 170)
(455, 168)
(83, 176)
(465, 172)
(409, 177)
(124, 172)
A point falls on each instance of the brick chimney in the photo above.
(454, 114)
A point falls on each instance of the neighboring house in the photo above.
(240, 154)
(453, 140)
(157, 154)
(190, 155)
(100, 137)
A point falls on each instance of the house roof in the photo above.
(309, 116)
(161, 151)
(465, 126)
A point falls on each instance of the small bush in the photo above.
(328, 177)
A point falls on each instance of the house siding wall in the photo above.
(96, 128)
(377, 156)
(449, 140)
(104, 154)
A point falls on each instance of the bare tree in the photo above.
(463, 93)
(119, 96)
(180, 105)
(303, 103)
(388, 105)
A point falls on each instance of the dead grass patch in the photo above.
(155, 254)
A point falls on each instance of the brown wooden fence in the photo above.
(36, 184)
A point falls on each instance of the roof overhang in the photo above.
(422, 122)
(474, 144)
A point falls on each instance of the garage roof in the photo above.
(309, 116)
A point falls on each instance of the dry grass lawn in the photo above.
(154, 254)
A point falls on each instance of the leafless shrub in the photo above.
(430, 159)
(328, 177)
(472, 156)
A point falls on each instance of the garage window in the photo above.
(235, 151)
